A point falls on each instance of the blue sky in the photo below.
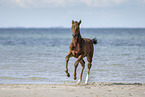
(60, 13)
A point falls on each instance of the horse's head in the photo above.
(75, 28)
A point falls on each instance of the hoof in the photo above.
(86, 83)
(68, 75)
(75, 78)
(79, 82)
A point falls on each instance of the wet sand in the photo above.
(72, 90)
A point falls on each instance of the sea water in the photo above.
(37, 56)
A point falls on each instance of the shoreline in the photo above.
(93, 89)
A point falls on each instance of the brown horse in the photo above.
(80, 48)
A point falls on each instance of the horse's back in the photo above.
(88, 42)
(88, 47)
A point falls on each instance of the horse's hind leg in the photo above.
(82, 69)
(89, 67)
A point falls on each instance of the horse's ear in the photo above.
(79, 22)
(72, 21)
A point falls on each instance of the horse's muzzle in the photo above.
(74, 36)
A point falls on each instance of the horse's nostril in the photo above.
(74, 35)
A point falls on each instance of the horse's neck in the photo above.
(77, 41)
(79, 38)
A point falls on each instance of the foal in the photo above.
(80, 48)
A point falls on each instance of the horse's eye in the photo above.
(73, 27)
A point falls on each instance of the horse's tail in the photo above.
(94, 41)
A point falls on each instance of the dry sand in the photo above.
(72, 90)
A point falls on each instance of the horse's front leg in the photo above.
(66, 64)
(76, 65)
(83, 66)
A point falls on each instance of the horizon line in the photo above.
(70, 28)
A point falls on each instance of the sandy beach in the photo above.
(72, 90)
